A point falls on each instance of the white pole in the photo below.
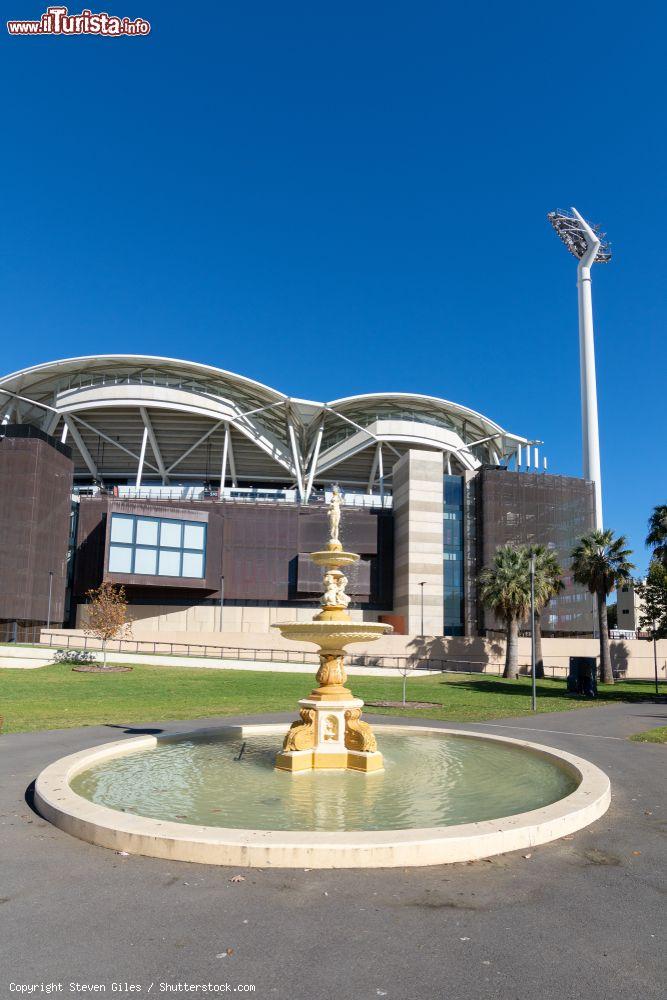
(381, 475)
(589, 395)
(225, 450)
(533, 667)
(314, 459)
(142, 455)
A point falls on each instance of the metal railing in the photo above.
(241, 494)
(56, 640)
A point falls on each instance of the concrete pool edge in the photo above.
(119, 831)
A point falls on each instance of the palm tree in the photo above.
(548, 583)
(657, 533)
(504, 586)
(600, 562)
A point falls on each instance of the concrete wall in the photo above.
(180, 619)
(418, 540)
(631, 658)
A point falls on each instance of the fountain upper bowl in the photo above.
(331, 634)
(334, 558)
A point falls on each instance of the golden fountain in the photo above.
(330, 733)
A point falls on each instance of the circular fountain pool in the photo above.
(216, 797)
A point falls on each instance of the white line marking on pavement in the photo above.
(559, 732)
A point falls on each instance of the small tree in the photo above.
(600, 562)
(653, 614)
(653, 593)
(504, 586)
(107, 615)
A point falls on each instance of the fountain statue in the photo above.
(330, 732)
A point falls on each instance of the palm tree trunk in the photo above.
(539, 662)
(606, 673)
(511, 670)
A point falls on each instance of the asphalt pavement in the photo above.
(583, 917)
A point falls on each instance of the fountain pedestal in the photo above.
(330, 733)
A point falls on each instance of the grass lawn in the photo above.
(54, 697)
(658, 735)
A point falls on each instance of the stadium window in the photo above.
(155, 546)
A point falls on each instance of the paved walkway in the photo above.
(580, 918)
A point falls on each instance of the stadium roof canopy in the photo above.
(188, 420)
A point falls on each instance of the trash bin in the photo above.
(582, 678)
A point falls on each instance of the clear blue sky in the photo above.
(276, 182)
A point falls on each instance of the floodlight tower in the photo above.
(588, 245)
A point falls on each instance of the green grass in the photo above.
(658, 735)
(54, 697)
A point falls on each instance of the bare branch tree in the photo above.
(107, 615)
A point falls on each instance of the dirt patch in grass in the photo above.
(93, 668)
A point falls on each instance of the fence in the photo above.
(12, 632)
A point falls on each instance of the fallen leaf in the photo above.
(526, 856)
(230, 951)
(122, 854)
(636, 853)
(237, 878)
(465, 939)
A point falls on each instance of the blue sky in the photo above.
(271, 184)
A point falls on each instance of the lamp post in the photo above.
(48, 616)
(222, 598)
(587, 244)
(533, 665)
(422, 606)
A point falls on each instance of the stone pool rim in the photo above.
(110, 828)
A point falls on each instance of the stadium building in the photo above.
(203, 492)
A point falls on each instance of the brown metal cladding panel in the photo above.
(260, 546)
(309, 577)
(35, 508)
(536, 508)
(359, 530)
(255, 547)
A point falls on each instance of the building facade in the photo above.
(202, 493)
(629, 606)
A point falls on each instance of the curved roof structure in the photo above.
(171, 421)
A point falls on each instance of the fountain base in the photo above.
(330, 736)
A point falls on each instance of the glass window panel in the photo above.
(146, 531)
(193, 537)
(193, 564)
(120, 559)
(170, 563)
(145, 561)
(170, 534)
(121, 528)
